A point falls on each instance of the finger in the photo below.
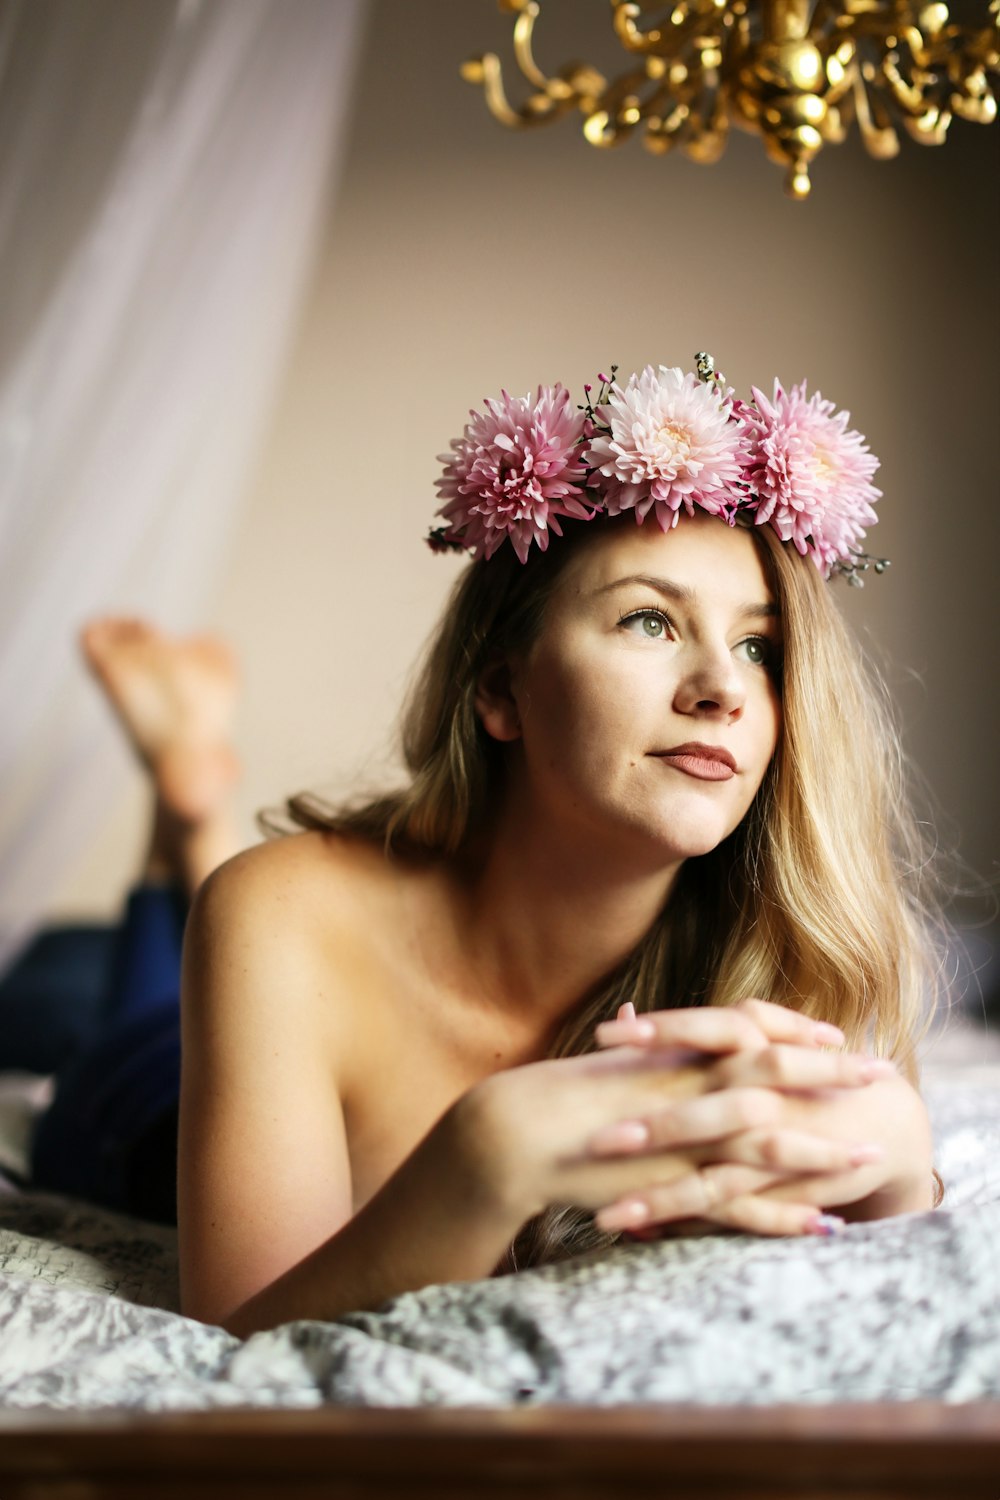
(796, 1152)
(696, 1028)
(764, 1216)
(692, 1122)
(780, 1024)
(694, 1195)
(782, 1066)
(719, 1028)
(741, 1125)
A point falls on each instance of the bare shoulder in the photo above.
(294, 879)
(285, 930)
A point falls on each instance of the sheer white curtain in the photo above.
(163, 168)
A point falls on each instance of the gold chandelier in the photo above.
(794, 72)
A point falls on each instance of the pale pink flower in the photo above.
(810, 474)
(513, 472)
(670, 443)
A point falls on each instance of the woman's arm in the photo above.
(264, 1180)
(265, 1192)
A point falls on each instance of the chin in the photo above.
(690, 833)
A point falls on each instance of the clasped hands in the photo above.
(751, 1117)
(755, 1127)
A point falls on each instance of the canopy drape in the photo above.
(163, 173)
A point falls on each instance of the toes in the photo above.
(105, 633)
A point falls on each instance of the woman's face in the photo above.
(648, 706)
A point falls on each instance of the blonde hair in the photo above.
(822, 899)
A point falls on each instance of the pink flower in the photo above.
(516, 468)
(810, 475)
(670, 442)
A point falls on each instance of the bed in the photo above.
(868, 1363)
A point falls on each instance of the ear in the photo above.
(495, 702)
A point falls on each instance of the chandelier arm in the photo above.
(628, 33)
(487, 72)
(524, 28)
(909, 97)
(620, 108)
(980, 108)
(930, 128)
(877, 133)
(665, 133)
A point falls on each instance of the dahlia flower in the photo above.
(810, 474)
(513, 472)
(669, 441)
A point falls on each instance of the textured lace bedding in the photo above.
(894, 1310)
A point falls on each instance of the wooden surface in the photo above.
(871, 1452)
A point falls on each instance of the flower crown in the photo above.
(665, 441)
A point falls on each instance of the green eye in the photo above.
(651, 624)
(758, 650)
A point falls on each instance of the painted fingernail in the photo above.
(626, 1012)
(870, 1151)
(877, 1067)
(623, 1215)
(832, 1036)
(627, 1031)
(825, 1225)
(627, 1135)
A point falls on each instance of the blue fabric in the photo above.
(146, 973)
(110, 1133)
(55, 998)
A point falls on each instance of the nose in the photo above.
(711, 685)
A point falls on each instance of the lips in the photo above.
(704, 762)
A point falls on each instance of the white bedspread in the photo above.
(894, 1310)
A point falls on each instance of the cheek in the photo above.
(580, 712)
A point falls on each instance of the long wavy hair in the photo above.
(822, 898)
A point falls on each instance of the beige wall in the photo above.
(461, 258)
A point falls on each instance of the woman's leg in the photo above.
(175, 700)
(111, 1130)
(53, 998)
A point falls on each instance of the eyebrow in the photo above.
(685, 595)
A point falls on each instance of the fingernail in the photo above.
(637, 1030)
(623, 1215)
(626, 1012)
(626, 1135)
(831, 1035)
(825, 1225)
(878, 1067)
(870, 1151)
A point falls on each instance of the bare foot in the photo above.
(175, 699)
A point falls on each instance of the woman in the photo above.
(648, 783)
(618, 795)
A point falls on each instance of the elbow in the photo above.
(202, 1305)
(239, 1324)
(238, 1321)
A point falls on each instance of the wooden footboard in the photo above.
(871, 1452)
